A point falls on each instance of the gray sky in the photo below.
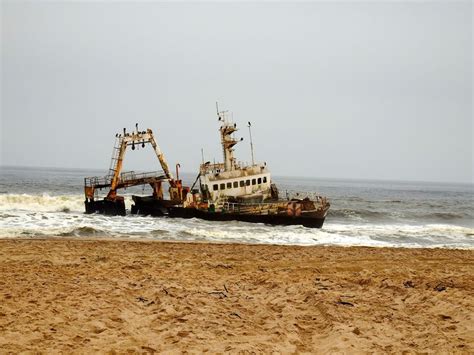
(346, 90)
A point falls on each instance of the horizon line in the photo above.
(274, 175)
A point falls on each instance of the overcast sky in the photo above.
(345, 90)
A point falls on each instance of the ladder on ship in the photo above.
(115, 158)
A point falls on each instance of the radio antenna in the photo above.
(251, 142)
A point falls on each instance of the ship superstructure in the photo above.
(245, 192)
(232, 180)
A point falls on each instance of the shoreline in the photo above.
(86, 294)
(222, 242)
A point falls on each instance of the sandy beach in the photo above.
(143, 296)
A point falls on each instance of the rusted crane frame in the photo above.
(130, 139)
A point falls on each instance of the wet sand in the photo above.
(100, 295)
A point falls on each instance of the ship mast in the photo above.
(251, 142)
(227, 140)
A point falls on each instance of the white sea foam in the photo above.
(43, 202)
(23, 215)
(37, 224)
(46, 202)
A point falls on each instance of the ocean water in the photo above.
(50, 202)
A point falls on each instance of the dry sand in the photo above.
(97, 295)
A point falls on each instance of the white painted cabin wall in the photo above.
(263, 188)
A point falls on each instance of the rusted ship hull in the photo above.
(277, 212)
(149, 206)
(308, 218)
(110, 208)
(315, 220)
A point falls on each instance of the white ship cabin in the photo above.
(252, 182)
(231, 180)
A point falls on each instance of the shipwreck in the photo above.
(225, 191)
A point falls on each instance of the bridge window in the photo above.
(242, 183)
(254, 181)
(222, 186)
(236, 184)
(247, 182)
(259, 181)
(229, 185)
(215, 187)
(264, 179)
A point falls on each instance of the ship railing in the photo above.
(132, 175)
(97, 180)
(212, 168)
(220, 167)
(257, 207)
(266, 207)
(247, 165)
(302, 196)
(94, 181)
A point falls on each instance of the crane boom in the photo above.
(161, 157)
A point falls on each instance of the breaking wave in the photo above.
(361, 213)
(58, 224)
(83, 232)
(387, 215)
(46, 203)
(43, 202)
(44, 215)
(445, 215)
